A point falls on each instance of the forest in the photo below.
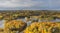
(30, 21)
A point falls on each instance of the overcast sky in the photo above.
(30, 4)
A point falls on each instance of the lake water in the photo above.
(2, 23)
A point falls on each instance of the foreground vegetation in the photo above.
(43, 27)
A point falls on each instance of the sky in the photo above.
(29, 4)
